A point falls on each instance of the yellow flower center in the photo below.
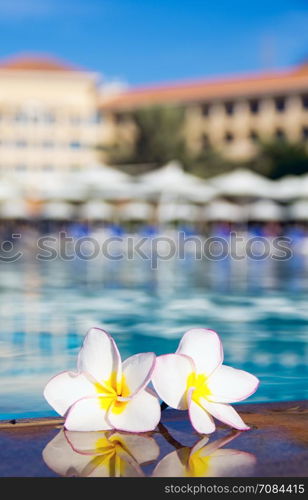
(109, 392)
(199, 383)
(108, 456)
(198, 465)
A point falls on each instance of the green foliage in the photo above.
(208, 163)
(279, 158)
(159, 137)
(160, 134)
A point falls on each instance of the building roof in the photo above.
(210, 89)
(33, 62)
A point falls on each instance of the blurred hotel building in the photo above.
(49, 115)
(228, 114)
(57, 117)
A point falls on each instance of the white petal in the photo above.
(106, 453)
(203, 443)
(119, 467)
(229, 385)
(87, 415)
(89, 443)
(137, 371)
(204, 347)
(66, 388)
(140, 414)
(111, 465)
(225, 413)
(62, 459)
(99, 356)
(142, 448)
(115, 463)
(231, 463)
(97, 470)
(200, 419)
(173, 465)
(205, 448)
(170, 379)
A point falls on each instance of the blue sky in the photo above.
(148, 41)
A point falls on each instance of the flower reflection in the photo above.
(206, 459)
(99, 454)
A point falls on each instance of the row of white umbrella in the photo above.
(180, 196)
(217, 210)
(168, 182)
(100, 181)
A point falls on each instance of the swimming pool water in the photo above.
(259, 309)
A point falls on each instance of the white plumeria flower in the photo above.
(206, 460)
(194, 378)
(105, 394)
(99, 454)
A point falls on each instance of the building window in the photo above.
(49, 117)
(305, 133)
(280, 104)
(20, 117)
(75, 120)
(120, 117)
(34, 116)
(254, 106)
(305, 101)
(229, 137)
(48, 144)
(205, 142)
(205, 109)
(75, 145)
(96, 117)
(254, 137)
(21, 167)
(280, 134)
(47, 168)
(75, 168)
(229, 108)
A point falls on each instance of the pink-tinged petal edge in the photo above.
(220, 398)
(206, 414)
(115, 347)
(146, 380)
(102, 416)
(73, 375)
(212, 446)
(88, 452)
(182, 402)
(214, 410)
(197, 361)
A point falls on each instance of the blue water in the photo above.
(259, 309)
